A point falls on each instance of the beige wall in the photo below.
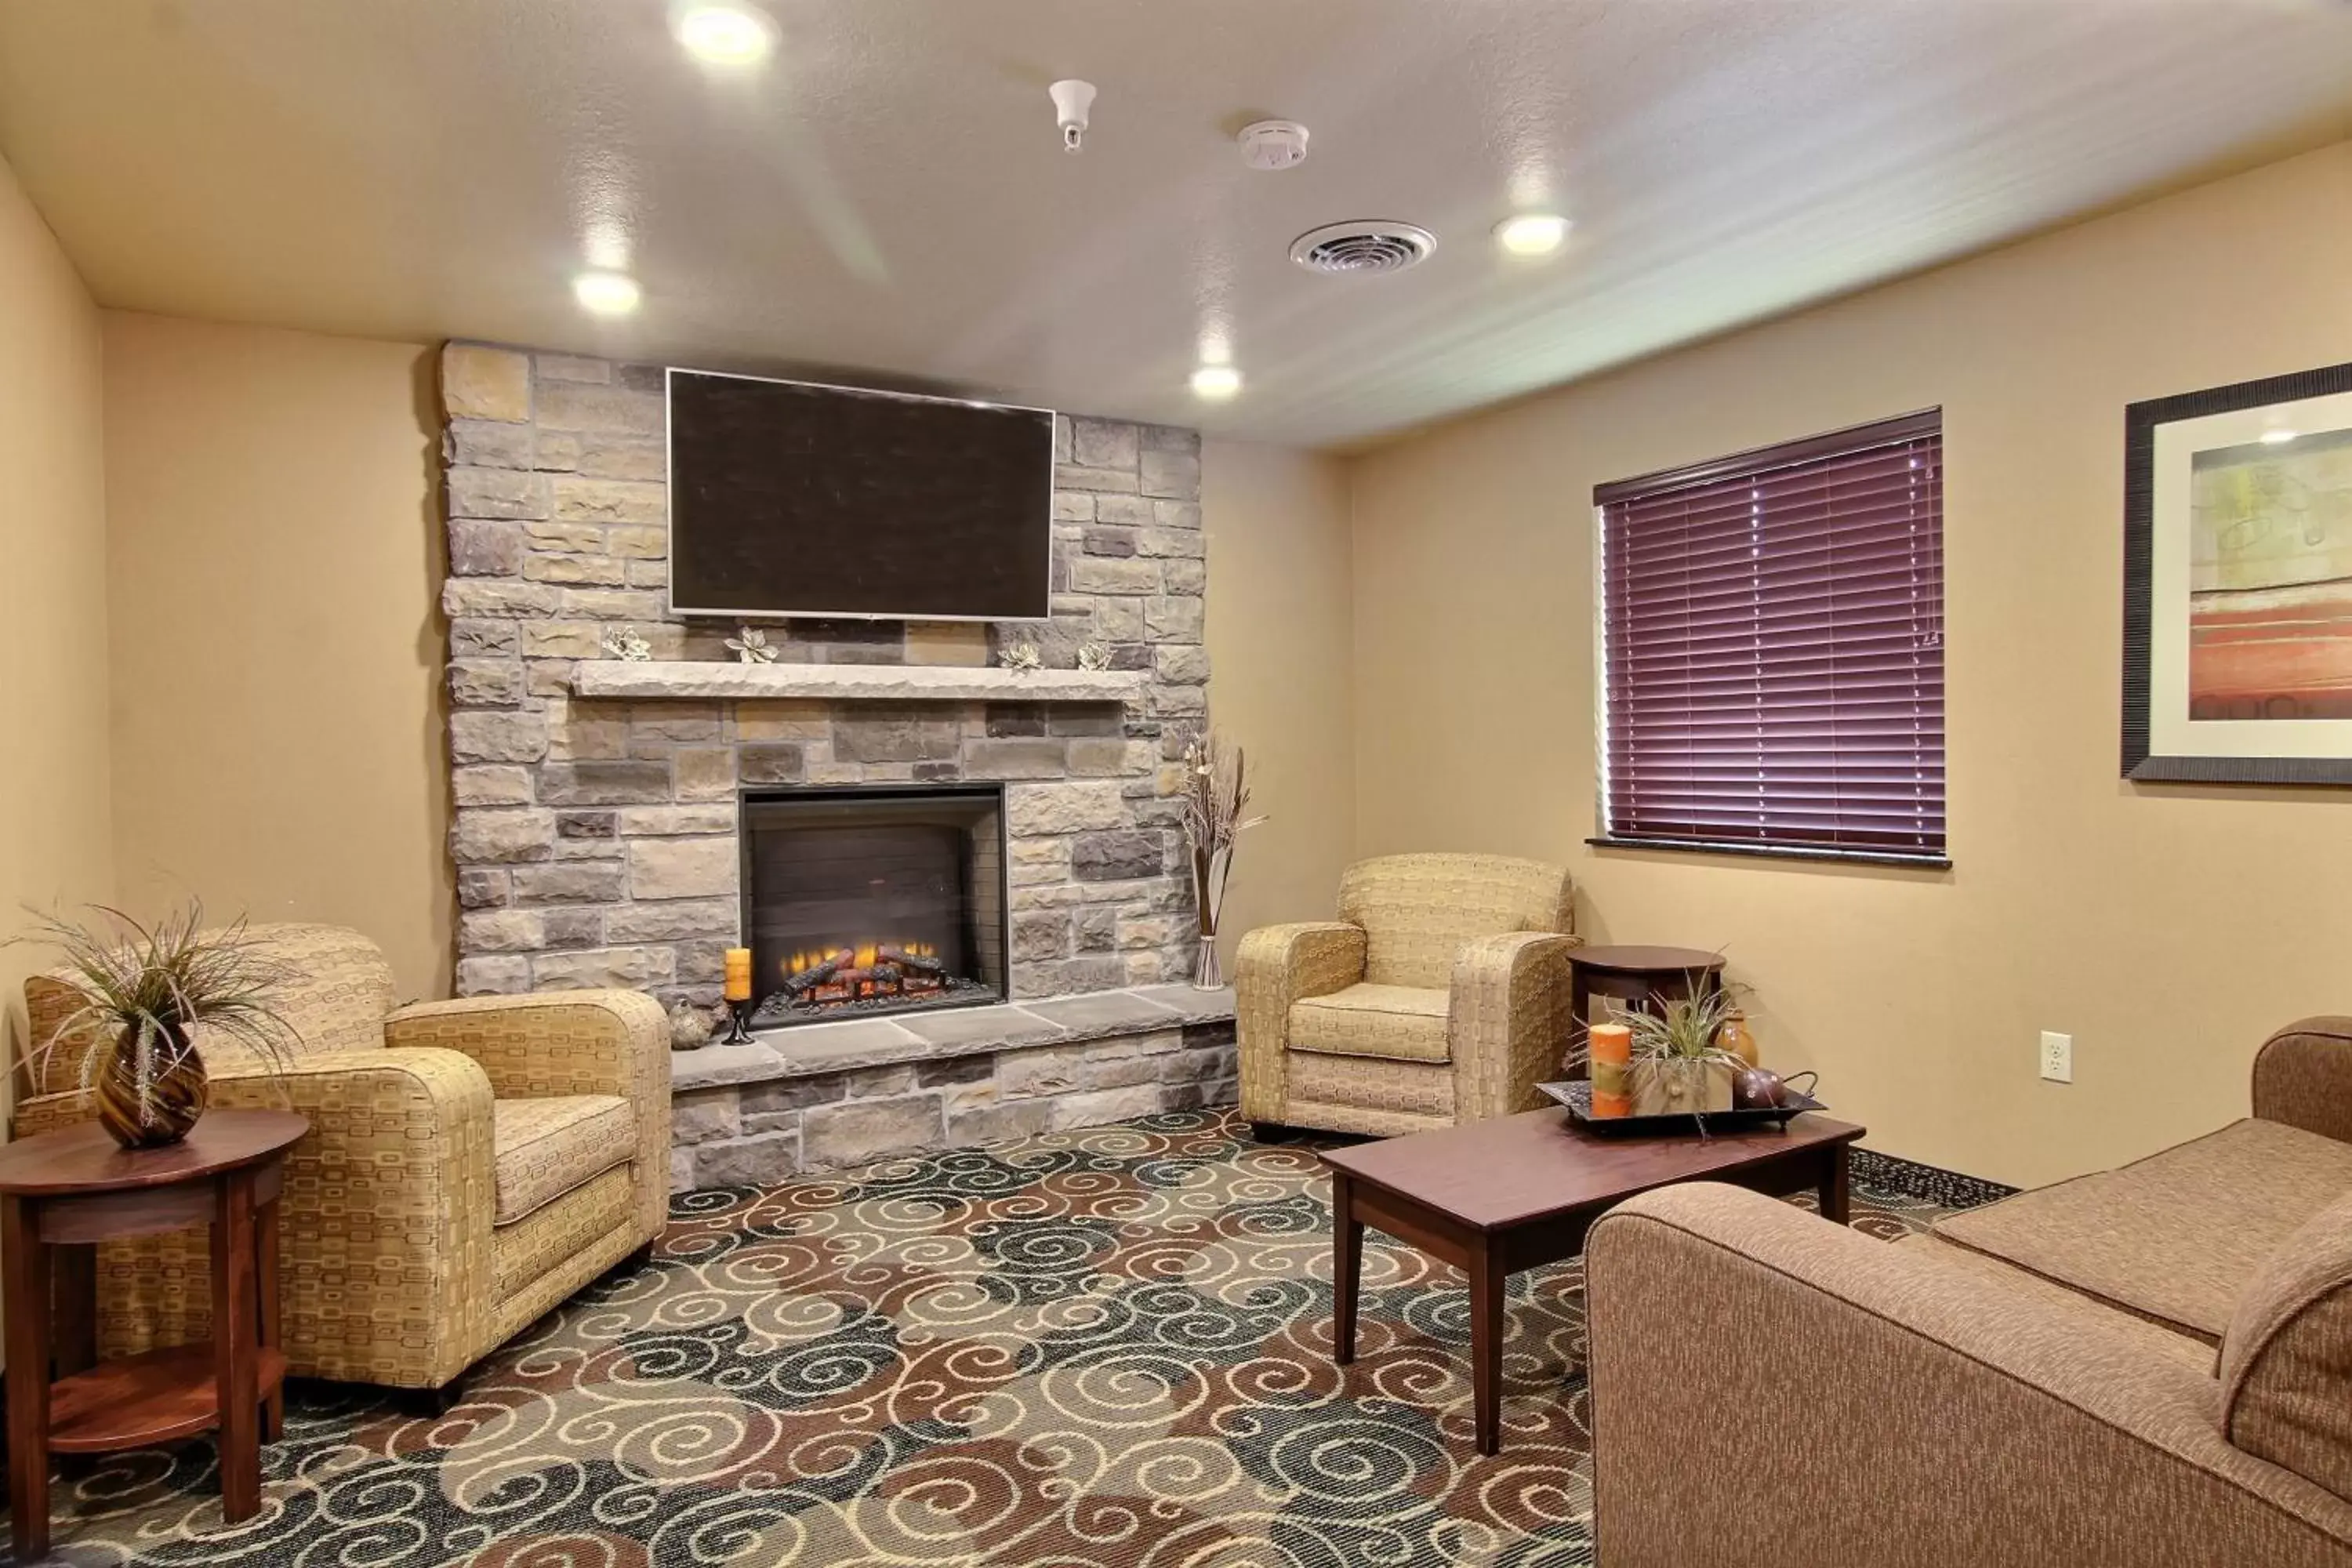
(1281, 648)
(2168, 928)
(275, 549)
(55, 850)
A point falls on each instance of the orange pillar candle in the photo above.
(1611, 1055)
(739, 975)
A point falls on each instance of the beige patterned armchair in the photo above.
(469, 1164)
(1439, 995)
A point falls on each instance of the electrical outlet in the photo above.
(2057, 1057)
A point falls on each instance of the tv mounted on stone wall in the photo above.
(790, 498)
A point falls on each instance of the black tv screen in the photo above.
(787, 499)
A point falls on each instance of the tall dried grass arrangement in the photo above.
(1215, 799)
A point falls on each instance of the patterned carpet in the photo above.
(1085, 1350)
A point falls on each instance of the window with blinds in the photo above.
(1772, 649)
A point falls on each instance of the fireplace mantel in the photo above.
(646, 679)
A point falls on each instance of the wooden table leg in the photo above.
(1836, 1188)
(26, 1263)
(237, 1346)
(1346, 1267)
(1486, 1277)
(273, 1403)
(75, 1272)
(1578, 1063)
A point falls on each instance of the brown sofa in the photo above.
(1439, 995)
(2151, 1365)
(469, 1163)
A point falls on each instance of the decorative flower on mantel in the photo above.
(1093, 655)
(626, 644)
(750, 645)
(1022, 657)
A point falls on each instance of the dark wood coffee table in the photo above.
(1496, 1197)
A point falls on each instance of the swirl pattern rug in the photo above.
(1099, 1349)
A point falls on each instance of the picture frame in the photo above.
(2237, 663)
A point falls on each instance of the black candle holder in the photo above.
(738, 1024)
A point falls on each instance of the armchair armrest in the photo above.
(1276, 966)
(555, 1042)
(566, 1042)
(1506, 1020)
(2303, 1076)
(1750, 1362)
(387, 1202)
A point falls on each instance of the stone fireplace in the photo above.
(866, 901)
(612, 817)
(599, 804)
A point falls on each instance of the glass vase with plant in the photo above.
(147, 991)
(1680, 1066)
(1215, 794)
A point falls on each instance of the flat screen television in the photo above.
(788, 499)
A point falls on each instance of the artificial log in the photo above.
(817, 975)
(912, 962)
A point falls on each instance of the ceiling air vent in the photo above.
(1362, 247)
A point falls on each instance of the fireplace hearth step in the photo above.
(842, 1095)
(843, 1043)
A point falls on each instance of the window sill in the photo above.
(1766, 852)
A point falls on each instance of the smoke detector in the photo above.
(1272, 144)
(1362, 247)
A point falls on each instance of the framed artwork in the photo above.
(2238, 583)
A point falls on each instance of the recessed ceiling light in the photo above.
(1532, 234)
(1215, 382)
(2279, 438)
(606, 293)
(725, 34)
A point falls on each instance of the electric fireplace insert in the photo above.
(876, 900)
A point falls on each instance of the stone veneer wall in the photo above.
(596, 841)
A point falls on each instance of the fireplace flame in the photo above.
(863, 955)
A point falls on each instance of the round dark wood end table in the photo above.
(63, 1192)
(1633, 977)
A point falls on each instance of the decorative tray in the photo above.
(1577, 1095)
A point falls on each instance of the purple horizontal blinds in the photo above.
(1773, 648)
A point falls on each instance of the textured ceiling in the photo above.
(889, 199)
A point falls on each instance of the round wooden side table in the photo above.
(1633, 977)
(63, 1192)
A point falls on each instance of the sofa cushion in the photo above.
(542, 1149)
(2286, 1360)
(2153, 1338)
(1392, 1023)
(2173, 1237)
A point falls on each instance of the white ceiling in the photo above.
(888, 198)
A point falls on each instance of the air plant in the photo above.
(150, 986)
(1022, 657)
(1682, 1028)
(1093, 655)
(1215, 794)
(1676, 1037)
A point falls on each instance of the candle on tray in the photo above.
(1612, 1061)
(739, 975)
